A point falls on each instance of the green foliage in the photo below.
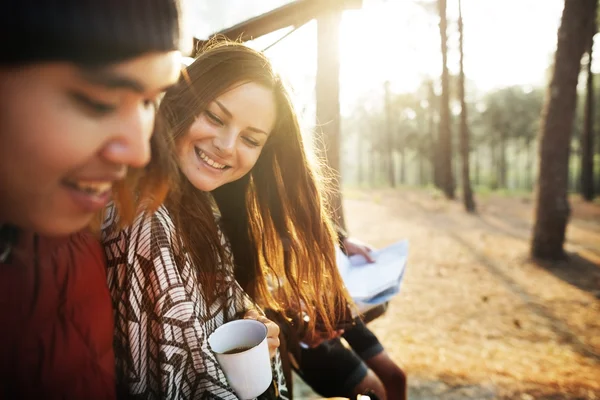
(507, 117)
(512, 113)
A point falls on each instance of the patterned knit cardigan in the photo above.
(162, 321)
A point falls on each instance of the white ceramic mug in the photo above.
(243, 353)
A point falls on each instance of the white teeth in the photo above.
(209, 160)
(93, 187)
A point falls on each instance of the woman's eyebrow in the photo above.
(256, 130)
(223, 108)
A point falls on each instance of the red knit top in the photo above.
(56, 329)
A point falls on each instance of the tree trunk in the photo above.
(389, 139)
(445, 136)
(372, 167)
(328, 103)
(457, 164)
(521, 154)
(597, 157)
(513, 168)
(384, 168)
(587, 136)
(477, 167)
(434, 151)
(574, 175)
(529, 178)
(493, 171)
(468, 200)
(360, 159)
(502, 161)
(402, 164)
(552, 205)
(421, 169)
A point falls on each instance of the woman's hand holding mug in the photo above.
(272, 330)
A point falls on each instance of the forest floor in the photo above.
(476, 318)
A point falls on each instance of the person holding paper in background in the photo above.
(332, 369)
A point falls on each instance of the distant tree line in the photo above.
(514, 138)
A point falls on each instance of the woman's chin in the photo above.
(205, 185)
(200, 181)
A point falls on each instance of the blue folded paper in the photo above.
(371, 284)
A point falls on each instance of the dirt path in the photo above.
(475, 318)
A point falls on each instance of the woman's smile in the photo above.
(209, 161)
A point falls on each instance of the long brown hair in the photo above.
(274, 217)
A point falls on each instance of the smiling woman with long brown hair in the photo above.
(247, 220)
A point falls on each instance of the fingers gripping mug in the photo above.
(242, 350)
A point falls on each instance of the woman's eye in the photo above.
(213, 118)
(251, 141)
(97, 107)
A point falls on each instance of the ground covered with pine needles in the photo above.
(476, 318)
